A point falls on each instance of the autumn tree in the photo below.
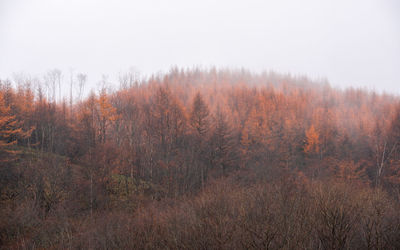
(253, 137)
(199, 115)
(106, 115)
(312, 143)
(223, 145)
(392, 161)
(126, 132)
(167, 120)
(10, 132)
(86, 118)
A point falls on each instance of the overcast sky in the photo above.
(351, 43)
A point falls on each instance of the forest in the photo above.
(198, 159)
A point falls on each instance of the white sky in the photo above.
(351, 43)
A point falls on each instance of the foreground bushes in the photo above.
(286, 214)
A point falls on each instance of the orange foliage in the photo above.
(312, 141)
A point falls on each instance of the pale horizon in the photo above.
(351, 44)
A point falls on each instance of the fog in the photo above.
(350, 43)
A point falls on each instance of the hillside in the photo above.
(199, 159)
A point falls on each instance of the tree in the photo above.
(312, 141)
(200, 125)
(199, 115)
(384, 147)
(52, 79)
(107, 114)
(10, 132)
(392, 159)
(82, 78)
(223, 155)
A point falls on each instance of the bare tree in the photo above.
(129, 78)
(82, 78)
(71, 82)
(384, 147)
(52, 79)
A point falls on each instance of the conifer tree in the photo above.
(10, 132)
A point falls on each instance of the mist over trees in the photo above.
(198, 159)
